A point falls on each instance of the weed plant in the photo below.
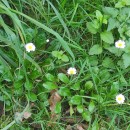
(64, 64)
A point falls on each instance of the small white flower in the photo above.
(71, 71)
(120, 99)
(47, 40)
(120, 44)
(30, 47)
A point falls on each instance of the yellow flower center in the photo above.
(119, 98)
(30, 47)
(120, 44)
(71, 72)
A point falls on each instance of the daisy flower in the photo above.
(120, 44)
(120, 99)
(71, 71)
(30, 47)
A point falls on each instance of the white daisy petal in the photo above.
(120, 44)
(120, 99)
(30, 47)
(47, 40)
(71, 71)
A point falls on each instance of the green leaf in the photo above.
(57, 108)
(91, 28)
(99, 15)
(28, 85)
(120, 4)
(32, 96)
(55, 53)
(76, 86)
(80, 108)
(64, 58)
(50, 85)
(18, 84)
(126, 59)
(95, 50)
(107, 37)
(98, 98)
(89, 85)
(115, 50)
(76, 100)
(91, 107)
(64, 91)
(93, 60)
(115, 87)
(104, 75)
(63, 78)
(86, 116)
(50, 77)
(108, 63)
(110, 11)
(128, 33)
(112, 23)
(127, 2)
(127, 48)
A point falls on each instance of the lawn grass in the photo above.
(81, 34)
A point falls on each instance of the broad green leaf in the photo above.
(76, 100)
(64, 91)
(91, 28)
(86, 116)
(104, 75)
(126, 59)
(64, 58)
(108, 63)
(76, 86)
(127, 2)
(93, 60)
(95, 126)
(120, 4)
(115, 87)
(18, 84)
(128, 33)
(112, 23)
(28, 85)
(63, 78)
(110, 11)
(55, 53)
(80, 108)
(98, 98)
(107, 37)
(96, 24)
(91, 107)
(99, 15)
(127, 48)
(32, 96)
(50, 85)
(89, 85)
(115, 50)
(95, 50)
(50, 77)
